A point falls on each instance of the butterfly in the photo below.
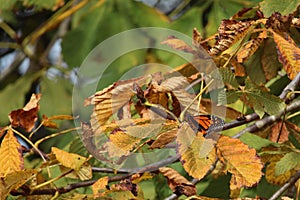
(204, 123)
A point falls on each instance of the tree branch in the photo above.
(68, 188)
(291, 182)
(268, 120)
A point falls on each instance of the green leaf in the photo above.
(6, 5)
(56, 97)
(41, 4)
(287, 162)
(254, 68)
(15, 93)
(284, 7)
(223, 10)
(262, 100)
(229, 97)
(255, 141)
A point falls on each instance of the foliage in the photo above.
(253, 49)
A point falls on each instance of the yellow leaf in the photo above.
(271, 172)
(190, 148)
(289, 55)
(241, 161)
(136, 178)
(100, 184)
(177, 183)
(70, 160)
(11, 159)
(164, 139)
(121, 143)
(13, 181)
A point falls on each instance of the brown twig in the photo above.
(291, 182)
(68, 188)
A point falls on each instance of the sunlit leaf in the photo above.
(100, 184)
(268, 7)
(289, 55)
(70, 160)
(11, 159)
(189, 148)
(177, 183)
(120, 143)
(13, 181)
(287, 162)
(241, 161)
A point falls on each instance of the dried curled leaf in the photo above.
(111, 99)
(164, 139)
(279, 133)
(178, 44)
(241, 161)
(11, 159)
(250, 47)
(177, 183)
(229, 32)
(48, 121)
(195, 160)
(289, 55)
(27, 116)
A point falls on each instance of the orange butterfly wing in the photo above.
(203, 123)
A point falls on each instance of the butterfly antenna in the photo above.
(182, 114)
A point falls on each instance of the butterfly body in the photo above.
(204, 123)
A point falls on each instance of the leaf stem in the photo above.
(27, 140)
(182, 114)
(52, 180)
(37, 143)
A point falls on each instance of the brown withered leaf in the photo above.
(27, 116)
(165, 138)
(251, 46)
(49, 121)
(229, 32)
(178, 44)
(241, 161)
(137, 178)
(279, 132)
(11, 159)
(126, 185)
(288, 54)
(177, 183)
(109, 100)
